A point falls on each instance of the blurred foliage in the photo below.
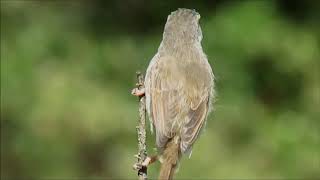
(67, 69)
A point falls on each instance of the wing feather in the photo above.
(177, 99)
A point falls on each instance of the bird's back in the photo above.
(178, 91)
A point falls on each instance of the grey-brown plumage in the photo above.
(178, 88)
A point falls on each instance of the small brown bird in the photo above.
(178, 89)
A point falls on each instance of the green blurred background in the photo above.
(67, 69)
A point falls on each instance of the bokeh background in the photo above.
(67, 69)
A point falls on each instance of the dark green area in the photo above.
(67, 69)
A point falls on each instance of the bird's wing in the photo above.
(162, 95)
(197, 92)
(177, 99)
(194, 123)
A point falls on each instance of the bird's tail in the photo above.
(170, 159)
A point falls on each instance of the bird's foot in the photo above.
(149, 160)
(138, 92)
(145, 163)
(137, 166)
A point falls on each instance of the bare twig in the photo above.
(141, 130)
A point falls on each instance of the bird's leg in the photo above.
(149, 160)
(145, 163)
(138, 92)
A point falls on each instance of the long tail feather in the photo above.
(170, 159)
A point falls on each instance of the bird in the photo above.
(179, 89)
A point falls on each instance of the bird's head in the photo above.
(183, 24)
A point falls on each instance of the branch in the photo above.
(141, 130)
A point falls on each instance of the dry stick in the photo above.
(141, 130)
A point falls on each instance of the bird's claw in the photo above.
(137, 166)
(138, 92)
(141, 166)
